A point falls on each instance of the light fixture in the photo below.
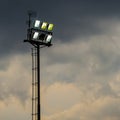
(48, 38)
(35, 35)
(44, 26)
(37, 24)
(41, 33)
(50, 27)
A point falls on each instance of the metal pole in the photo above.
(38, 76)
(32, 84)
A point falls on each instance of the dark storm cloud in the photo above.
(71, 18)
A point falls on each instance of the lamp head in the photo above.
(41, 32)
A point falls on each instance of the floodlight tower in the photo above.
(39, 34)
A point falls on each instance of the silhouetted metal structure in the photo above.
(37, 44)
(34, 84)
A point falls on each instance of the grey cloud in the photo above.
(105, 91)
(90, 65)
(91, 111)
(14, 79)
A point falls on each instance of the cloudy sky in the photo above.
(80, 73)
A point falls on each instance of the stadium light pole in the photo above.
(39, 35)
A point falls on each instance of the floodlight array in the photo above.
(42, 32)
(43, 25)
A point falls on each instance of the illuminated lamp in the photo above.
(50, 27)
(37, 24)
(35, 35)
(44, 26)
